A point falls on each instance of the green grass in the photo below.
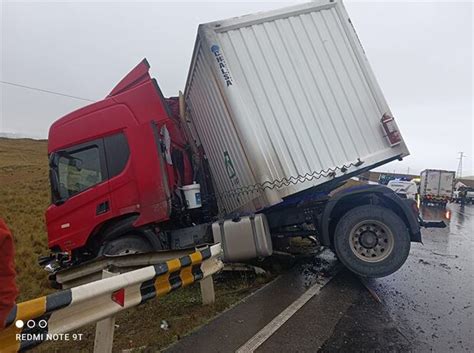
(24, 197)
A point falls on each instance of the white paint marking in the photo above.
(265, 333)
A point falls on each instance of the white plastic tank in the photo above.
(192, 194)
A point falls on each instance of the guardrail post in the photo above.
(104, 329)
(207, 290)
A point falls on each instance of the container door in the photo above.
(432, 182)
(446, 184)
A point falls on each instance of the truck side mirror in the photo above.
(53, 159)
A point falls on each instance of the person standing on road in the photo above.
(462, 195)
(8, 289)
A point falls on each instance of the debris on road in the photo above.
(164, 325)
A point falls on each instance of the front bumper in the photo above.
(55, 261)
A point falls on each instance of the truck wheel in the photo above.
(130, 244)
(372, 241)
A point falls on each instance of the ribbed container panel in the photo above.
(277, 95)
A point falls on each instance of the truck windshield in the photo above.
(73, 172)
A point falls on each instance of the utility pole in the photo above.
(459, 172)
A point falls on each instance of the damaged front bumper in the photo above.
(55, 261)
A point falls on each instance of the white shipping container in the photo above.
(437, 183)
(279, 95)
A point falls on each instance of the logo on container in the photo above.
(222, 65)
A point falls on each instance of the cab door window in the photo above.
(79, 170)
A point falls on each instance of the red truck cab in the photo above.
(115, 168)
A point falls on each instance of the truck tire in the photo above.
(129, 244)
(372, 241)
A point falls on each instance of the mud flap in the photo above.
(431, 224)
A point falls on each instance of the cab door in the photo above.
(82, 199)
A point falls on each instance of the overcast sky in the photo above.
(421, 53)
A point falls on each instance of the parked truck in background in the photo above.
(436, 186)
(470, 195)
(463, 195)
(279, 110)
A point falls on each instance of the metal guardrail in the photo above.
(92, 270)
(33, 322)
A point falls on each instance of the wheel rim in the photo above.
(371, 241)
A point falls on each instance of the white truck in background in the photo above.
(463, 195)
(436, 186)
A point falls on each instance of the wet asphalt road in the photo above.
(432, 295)
(426, 306)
